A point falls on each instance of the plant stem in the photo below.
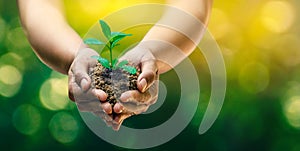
(110, 50)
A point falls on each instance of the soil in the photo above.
(113, 82)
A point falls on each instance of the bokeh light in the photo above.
(259, 39)
(220, 24)
(10, 75)
(292, 111)
(13, 59)
(10, 80)
(17, 42)
(53, 93)
(254, 77)
(27, 119)
(63, 127)
(277, 16)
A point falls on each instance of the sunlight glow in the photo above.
(219, 23)
(277, 16)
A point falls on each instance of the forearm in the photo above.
(176, 35)
(52, 39)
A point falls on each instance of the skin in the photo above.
(161, 49)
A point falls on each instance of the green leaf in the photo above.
(114, 62)
(122, 63)
(93, 41)
(130, 69)
(114, 45)
(105, 29)
(113, 34)
(116, 39)
(104, 62)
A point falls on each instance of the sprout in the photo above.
(113, 39)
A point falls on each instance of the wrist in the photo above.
(166, 54)
(75, 51)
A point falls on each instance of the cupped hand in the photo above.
(80, 91)
(134, 102)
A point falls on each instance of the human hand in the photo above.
(80, 91)
(131, 102)
(134, 102)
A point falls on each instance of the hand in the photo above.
(137, 101)
(80, 91)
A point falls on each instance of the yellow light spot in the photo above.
(219, 23)
(27, 119)
(10, 75)
(10, 80)
(17, 62)
(63, 127)
(254, 77)
(277, 16)
(53, 93)
(292, 111)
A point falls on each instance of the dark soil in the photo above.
(113, 82)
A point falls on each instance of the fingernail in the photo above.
(100, 95)
(143, 83)
(124, 97)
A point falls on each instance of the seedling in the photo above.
(112, 41)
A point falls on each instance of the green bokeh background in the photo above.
(260, 42)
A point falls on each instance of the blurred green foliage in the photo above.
(260, 41)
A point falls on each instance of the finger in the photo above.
(148, 75)
(80, 70)
(80, 96)
(135, 101)
(101, 95)
(118, 108)
(92, 106)
(107, 108)
(83, 97)
(135, 96)
(116, 127)
(108, 124)
(106, 118)
(119, 120)
(82, 79)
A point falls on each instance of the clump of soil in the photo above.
(113, 82)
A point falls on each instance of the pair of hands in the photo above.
(130, 103)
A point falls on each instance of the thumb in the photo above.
(148, 75)
(80, 72)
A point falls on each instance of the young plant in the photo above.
(112, 41)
